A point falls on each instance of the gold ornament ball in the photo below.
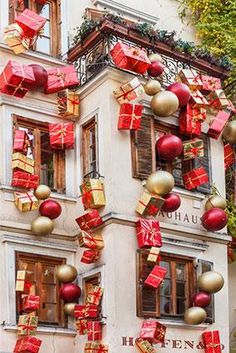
(164, 103)
(160, 182)
(229, 133)
(152, 87)
(195, 315)
(155, 57)
(42, 192)
(211, 282)
(42, 226)
(215, 201)
(66, 273)
(69, 309)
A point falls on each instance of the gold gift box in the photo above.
(27, 325)
(13, 37)
(90, 241)
(153, 254)
(129, 91)
(22, 278)
(68, 105)
(26, 201)
(22, 162)
(95, 347)
(93, 193)
(217, 99)
(144, 346)
(148, 201)
(191, 78)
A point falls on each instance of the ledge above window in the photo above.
(46, 330)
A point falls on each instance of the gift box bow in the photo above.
(150, 231)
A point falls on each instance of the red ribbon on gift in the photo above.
(29, 196)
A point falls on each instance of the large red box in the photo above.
(130, 58)
(86, 311)
(25, 180)
(189, 121)
(153, 331)
(94, 330)
(30, 22)
(195, 178)
(211, 341)
(148, 233)
(156, 276)
(21, 141)
(130, 116)
(61, 136)
(30, 303)
(61, 78)
(27, 344)
(218, 123)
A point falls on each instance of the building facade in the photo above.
(125, 162)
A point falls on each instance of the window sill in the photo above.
(182, 324)
(46, 330)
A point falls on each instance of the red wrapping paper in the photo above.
(14, 79)
(94, 295)
(30, 22)
(195, 178)
(28, 344)
(229, 157)
(188, 125)
(86, 311)
(25, 180)
(155, 277)
(61, 78)
(89, 220)
(148, 233)
(210, 83)
(218, 123)
(153, 331)
(61, 136)
(21, 141)
(81, 326)
(211, 341)
(94, 330)
(130, 116)
(90, 256)
(30, 303)
(130, 58)
(217, 100)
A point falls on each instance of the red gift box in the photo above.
(94, 330)
(81, 326)
(28, 344)
(90, 256)
(188, 124)
(148, 233)
(229, 156)
(210, 83)
(30, 303)
(156, 276)
(153, 331)
(198, 100)
(211, 341)
(130, 116)
(30, 22)
(218, 123)
(89, 220)
(195, 178)
(191, 78)
(94, 295)
(218, 100)
(86, 311)
(25, 180)
(61, 136)
(21, 141)
(14, 79)
(61, 78)
(130, 58)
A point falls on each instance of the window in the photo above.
(90, 147)
(145, 159)
(41, 271)
(49, 40)
(49, 164)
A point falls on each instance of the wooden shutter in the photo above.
(204, 162)
(59, 171)
(204, 266)
(147, 298)
(143, 149)
(59, 23)
(11, 10)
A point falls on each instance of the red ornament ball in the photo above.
(69, 292)
(41, 77)
(182, 91)
(169, 146)
(214, 219)
(50, 208)
(155, 69)
(172, 202)
(201, 299)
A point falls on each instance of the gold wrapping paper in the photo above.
(129, 91)
(153, 254)
(68, 105)
(93, 193)
(26, 201)
(13, 37)
(22, 162)
(27, 325)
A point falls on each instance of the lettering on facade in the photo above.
(128, 341)
(180, 216)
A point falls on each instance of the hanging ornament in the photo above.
(69, 309)
(215, 201)
(42, 192)
(66, 273)
(229, 132)
(152, 87)
(155, 69)
(211, 282)
(201, 299)
(164, 104)
(42, 226)
(172, 202)
(182, 91)
(50, 208)
(214, 219)
(169, 147)
(155, 57)
(70, 292)
(41, 77)
(160, 182)
(195, 315)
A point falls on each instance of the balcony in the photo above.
(91, 55)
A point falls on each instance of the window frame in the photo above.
(86, 162)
